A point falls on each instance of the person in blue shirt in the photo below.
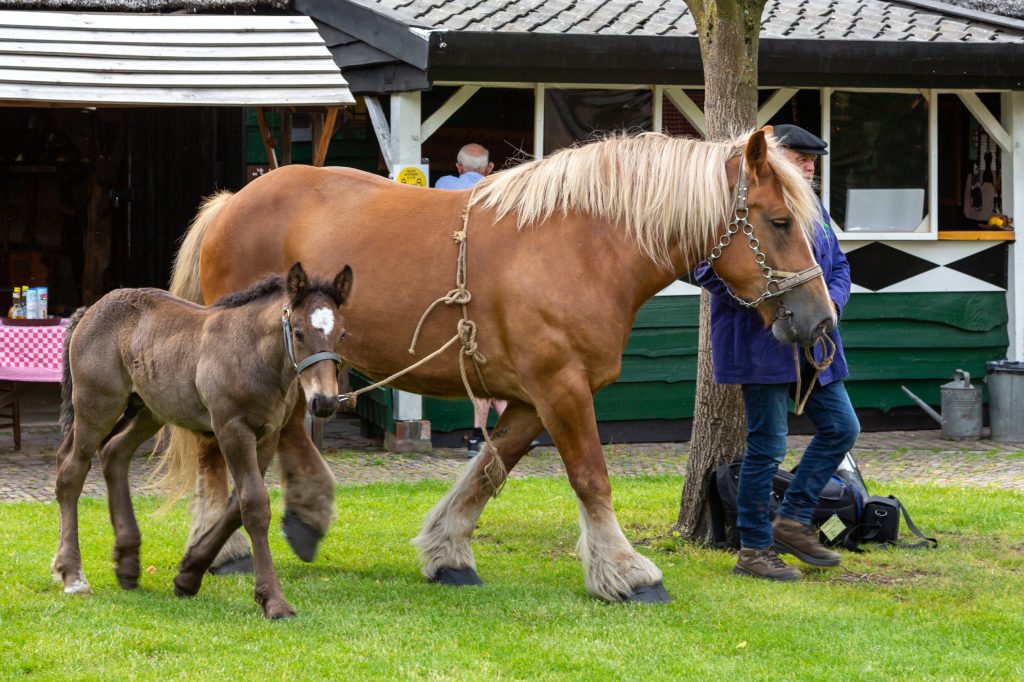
(473, 164)
(744, 352)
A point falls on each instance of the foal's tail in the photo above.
(177, 470)
(67, 408)
(185, 275)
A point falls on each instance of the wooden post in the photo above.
(268, 139)
(286, 137)
(324, 139)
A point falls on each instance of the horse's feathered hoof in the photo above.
(302, 537)
(239, 566)
(457, 577)
(650, 594)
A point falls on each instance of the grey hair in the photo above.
(473, 162)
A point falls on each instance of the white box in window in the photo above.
(884, 210)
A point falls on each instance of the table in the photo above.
(28, 356)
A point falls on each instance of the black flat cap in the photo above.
(799, 140)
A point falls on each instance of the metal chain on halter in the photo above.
(777, 282)
(774, 285)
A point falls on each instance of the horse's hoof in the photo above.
(238, 566)
(302, 537)
(457, 577)
(650, 594)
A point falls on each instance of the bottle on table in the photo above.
(31, 300)
(15, 300)
(18, 309)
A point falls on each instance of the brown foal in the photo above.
(142, 358)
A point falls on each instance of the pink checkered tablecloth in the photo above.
(31, 353)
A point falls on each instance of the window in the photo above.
(878, 160)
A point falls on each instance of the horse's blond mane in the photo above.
(666, 191)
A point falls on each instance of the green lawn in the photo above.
(364, 612)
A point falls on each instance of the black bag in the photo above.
(880, 522)
(846, 514)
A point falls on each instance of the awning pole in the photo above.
(268, 140)
(320, 154)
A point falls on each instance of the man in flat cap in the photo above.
(744, 352)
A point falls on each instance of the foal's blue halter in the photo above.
(286, 329)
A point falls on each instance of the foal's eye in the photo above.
(299, 336)
(781, 224)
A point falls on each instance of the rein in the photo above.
(777, 282)
(286, 329)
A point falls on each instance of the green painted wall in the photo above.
(890, 339)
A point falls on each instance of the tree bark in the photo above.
(728, 31)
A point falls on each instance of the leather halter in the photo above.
(286, 329)
(777, 282)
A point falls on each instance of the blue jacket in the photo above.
(743, 351)
(464, 181)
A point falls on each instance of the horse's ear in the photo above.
(756, 154)
(297, 280)
(343, 284)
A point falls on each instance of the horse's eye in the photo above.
(781, 224)
(299, 336)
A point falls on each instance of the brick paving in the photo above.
(916, 456)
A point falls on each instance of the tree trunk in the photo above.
(728, 31)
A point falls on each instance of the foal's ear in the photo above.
(297, 280)
(756, 154)
(343, 284)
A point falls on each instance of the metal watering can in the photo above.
(961, 407)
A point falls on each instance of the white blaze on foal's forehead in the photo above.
(323, 319)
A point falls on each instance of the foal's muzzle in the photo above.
(322, 406)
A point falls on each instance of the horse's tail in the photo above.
(176, 472)
(185, 274)
(67, 408)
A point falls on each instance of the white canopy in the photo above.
(61, 58)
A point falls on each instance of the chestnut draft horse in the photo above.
(140, 358)
(561, 253)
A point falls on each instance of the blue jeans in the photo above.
(767, 405)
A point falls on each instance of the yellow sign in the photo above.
(412, 175)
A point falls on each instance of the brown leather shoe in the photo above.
(765, 563)
(800, 540)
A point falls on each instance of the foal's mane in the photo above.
(268, 286)
(666, 191)
(274, 285)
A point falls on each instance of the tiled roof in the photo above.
(888, 20)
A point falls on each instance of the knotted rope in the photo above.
(828, 354)
(466, 333)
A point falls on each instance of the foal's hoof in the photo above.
(278, 611)
(239, 566)
(128, 583)
(184, 588)
(302, 537)
(650, 594)
(457, 577)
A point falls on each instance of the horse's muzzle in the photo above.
(322, 406)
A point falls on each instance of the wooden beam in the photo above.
(986, 119)
(688, 108)
(324, 141)
(286, 138)
(773, 104)
(268, 139)
(445, 111)
(380, 128)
